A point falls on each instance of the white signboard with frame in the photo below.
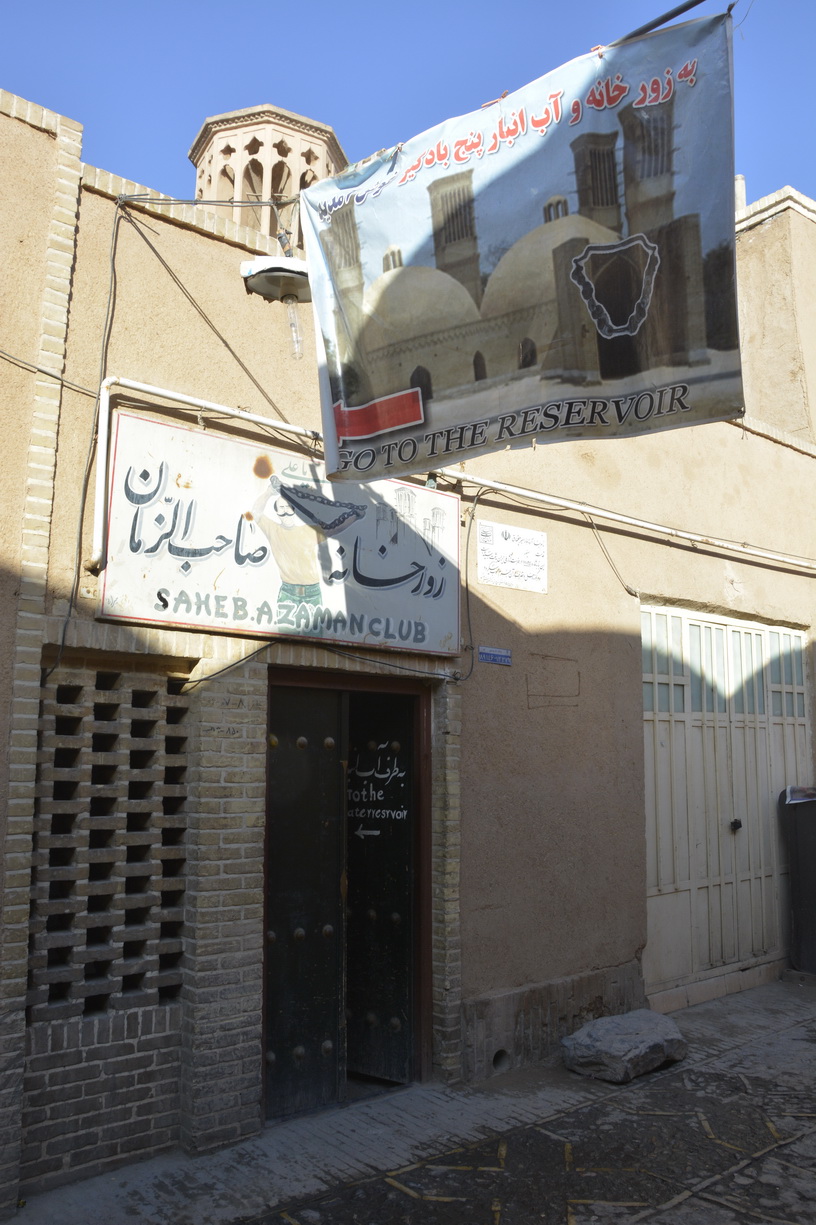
(211, 532)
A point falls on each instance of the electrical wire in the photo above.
(658, 21)
(448, 677)
(188, 685)
(318, 642)
(470, 646)
(608, 557)
(293, 202)
(203, 314)
(110, 308)
(601, 544)
(165, 201)
(58, 378)
(747, 13)
(310, 446)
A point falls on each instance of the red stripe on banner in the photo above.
(379, 416)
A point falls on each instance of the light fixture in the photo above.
(290, 302)
(280, 278)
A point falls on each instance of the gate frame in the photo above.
(282, 677)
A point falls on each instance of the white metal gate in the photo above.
(725, 730)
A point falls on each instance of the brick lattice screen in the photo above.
(108, 864)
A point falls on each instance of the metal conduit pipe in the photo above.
(94, 562)
(597, 512)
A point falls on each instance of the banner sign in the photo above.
(212, 532)
(556, 265)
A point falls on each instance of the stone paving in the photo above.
(727, 1137)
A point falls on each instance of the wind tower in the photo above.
(262, 154)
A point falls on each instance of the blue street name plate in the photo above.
(495, 655)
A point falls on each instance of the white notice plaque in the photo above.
(510, 556)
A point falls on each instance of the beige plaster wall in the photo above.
(552, 754)
(552, 792)
(803, 263)
(774, 259)
(160, 335)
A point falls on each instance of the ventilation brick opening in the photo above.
(108, 863)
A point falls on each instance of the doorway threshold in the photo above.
(361, 1088)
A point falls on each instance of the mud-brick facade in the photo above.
(575, 850)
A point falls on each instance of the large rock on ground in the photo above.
(620, 1048)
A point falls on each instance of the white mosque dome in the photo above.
(525, 275)
(414, 301)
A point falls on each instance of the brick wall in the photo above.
(144, 1000)
(223, 985)
(108, 865)
(46, 397)
(445, 876)
(97, 1091)
(106, 920)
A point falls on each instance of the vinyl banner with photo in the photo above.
(208, 531)
(556, 265)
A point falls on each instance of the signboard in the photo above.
(556, 265)
(510, 556)
(496, 655)
(211, 532)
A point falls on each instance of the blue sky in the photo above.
(142, 78)
(511, 182)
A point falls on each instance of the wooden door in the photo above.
(380, 856)
(304, 1022)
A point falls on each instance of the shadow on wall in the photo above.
(147, 839)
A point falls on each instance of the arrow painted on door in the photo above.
(367, 833)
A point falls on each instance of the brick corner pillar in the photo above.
(12, 1062)
(221, 1038)
(40, 415)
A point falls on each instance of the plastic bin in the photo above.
(797, 810)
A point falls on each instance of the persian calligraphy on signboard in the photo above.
(208, 531)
